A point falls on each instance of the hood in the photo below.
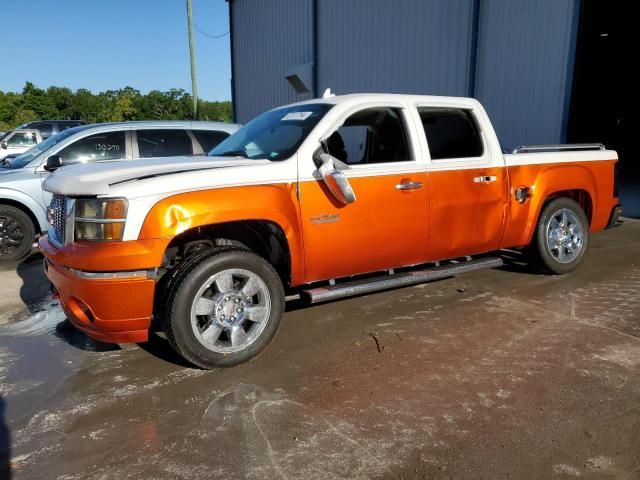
(15, 174)
(99, 178)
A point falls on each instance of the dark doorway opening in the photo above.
(605, 105)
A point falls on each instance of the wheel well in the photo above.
(581, 197)
(26, 210)
(263, 238)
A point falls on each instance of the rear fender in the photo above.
(547, 183)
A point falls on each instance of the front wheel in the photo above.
(224, 308)
(562, 236)
(17, 233)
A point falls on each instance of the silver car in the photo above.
(23, 203)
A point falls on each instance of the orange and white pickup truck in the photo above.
(326, 198)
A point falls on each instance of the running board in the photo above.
(369, 285)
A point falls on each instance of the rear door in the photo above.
(467, 184)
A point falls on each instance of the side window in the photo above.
(22, 139)
(101, 146)
(64, 126)
(163, 143)
(46, 130)
(374, 135)
(451, 133)
(209, 139)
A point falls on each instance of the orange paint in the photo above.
(107, 309)
(467, 216)
(272, 203)
(107, 256)
(595, 178)
(384, 228)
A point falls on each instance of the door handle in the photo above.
(484, 179)
(409, 185)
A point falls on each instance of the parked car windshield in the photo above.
(274, 135)
(27, 157)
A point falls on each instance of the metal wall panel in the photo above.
(269, 38)
(525, 63)
(399, 46)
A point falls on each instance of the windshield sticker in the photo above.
(296, 116)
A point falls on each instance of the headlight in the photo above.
(100, 220)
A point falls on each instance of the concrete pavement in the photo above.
(496, 374)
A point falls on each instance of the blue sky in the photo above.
(108, 44)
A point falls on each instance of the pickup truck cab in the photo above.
(307, 199)
(18, 141)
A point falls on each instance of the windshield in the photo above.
(27, 157)
(274, 135)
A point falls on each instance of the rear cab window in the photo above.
(452, 133)
(163, 143)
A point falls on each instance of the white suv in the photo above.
(23, 203)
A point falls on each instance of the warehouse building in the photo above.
(547, 71)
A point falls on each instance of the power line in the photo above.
(208, 35)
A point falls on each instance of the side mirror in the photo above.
(333, 178)
(3, 145)
(53, 163)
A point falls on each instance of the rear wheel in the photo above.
(562, 236)
(224, 308)
(17, 233)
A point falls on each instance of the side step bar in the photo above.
(369, 285)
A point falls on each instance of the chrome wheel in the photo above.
(565, 236)
(230, 310)
(11, 235)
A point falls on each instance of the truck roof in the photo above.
(356, 98)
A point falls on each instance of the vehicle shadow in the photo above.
(35, 287)
(517, 261)
(5, 445)
(160, 347)
(82, 341)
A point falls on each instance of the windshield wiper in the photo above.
(232, 153)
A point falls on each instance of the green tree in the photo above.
(124, 104)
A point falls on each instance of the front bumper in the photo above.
(113, 310)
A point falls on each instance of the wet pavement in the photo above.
(497, 374)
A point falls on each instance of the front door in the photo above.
(387, 225)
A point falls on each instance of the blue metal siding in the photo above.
(525, 59)
(269, 38)
(406, 46)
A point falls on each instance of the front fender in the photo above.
(36, 208)
(274, 203)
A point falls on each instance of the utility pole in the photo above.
(192, 54)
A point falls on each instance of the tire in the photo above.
(17, 234)
(223, 308)
(561, 237)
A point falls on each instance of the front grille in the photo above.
(57, 217)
